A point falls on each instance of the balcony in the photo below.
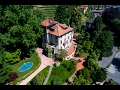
(71, 50)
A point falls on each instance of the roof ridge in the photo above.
(59, 27)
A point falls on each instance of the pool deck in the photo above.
(45, 61)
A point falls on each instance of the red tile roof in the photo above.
(59, 29)
(80, 64)
(48, 22)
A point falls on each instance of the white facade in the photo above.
(59, 42)
(65, 41)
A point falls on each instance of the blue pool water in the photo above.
(25, 66)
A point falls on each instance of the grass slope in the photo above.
(48, 10)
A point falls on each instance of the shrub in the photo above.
(111, 82)
(55, 72)
(38, 80)
(12, 77)
(77, 54)
(56, 81)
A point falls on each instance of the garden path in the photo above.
(45, 61)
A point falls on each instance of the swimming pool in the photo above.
(25, 66)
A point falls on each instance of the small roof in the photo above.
(83, 6)
(91, 20)
(48, 22)
(97, 11)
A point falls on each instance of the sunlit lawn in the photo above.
(36, 62)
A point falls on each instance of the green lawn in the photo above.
(60, 72)
(41, 76)
(22, 75)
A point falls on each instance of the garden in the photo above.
(60, 74)
(22, 75)
(40, 78)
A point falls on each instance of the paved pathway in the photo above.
(111, 68)
(48, 76)
(116, 63)
(45, 61)
(106, 60)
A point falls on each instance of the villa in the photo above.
(58, 36)
(84, 8)
(95, 13)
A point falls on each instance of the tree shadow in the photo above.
(116, 62)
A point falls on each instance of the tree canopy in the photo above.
(62, 15)
(75, 20)
(19, 28)
(105, 43)
(115, 28)
(4, 72)
(96, 29)
(109, 14)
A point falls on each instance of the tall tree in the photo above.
(101, 75)
(109, 14)
(81, 80)
(115, 27)
(19, 28)
(87, 46)
(4, 70)
(96, 29)
(62, 54)
(62, 15)
(88, 14)
(76, 18)
(96, 73)
(105, 43)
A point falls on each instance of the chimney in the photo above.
(51, 21)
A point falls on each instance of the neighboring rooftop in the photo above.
(58, 28)
(97, 11)
(83, 6)
(91, 20)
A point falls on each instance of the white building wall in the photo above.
(68, 44)
(60, 45)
